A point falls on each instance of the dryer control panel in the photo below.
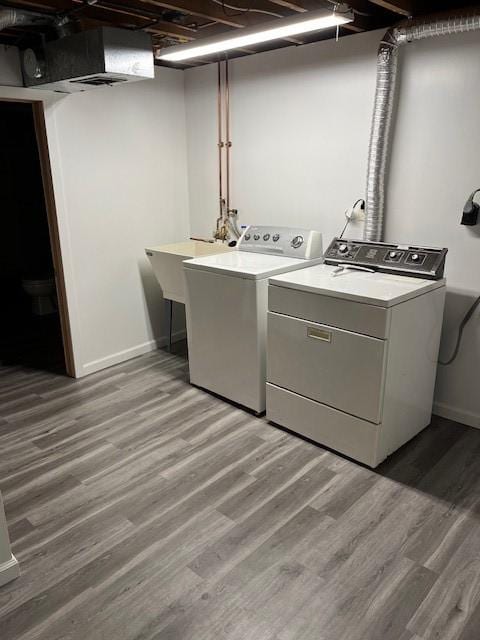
(401, 259)
(291, 242)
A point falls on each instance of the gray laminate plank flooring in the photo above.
(141, 508)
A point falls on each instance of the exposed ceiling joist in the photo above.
(402, 7)
(211, 11)
(173, 30)
(293, 6)
(354, 27)
(177, 21)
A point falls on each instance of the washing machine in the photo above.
(353, 346)
(226, 309)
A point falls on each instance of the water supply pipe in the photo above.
(228, 142)
(226, 225)
(387, 62)
(220, 228)
(232, 214)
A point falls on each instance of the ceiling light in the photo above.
(281, 28)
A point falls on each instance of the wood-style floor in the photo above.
(143, 508)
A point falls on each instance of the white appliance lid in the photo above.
(242, 264)
(380, 289)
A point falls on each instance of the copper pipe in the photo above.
(227, 220)
(220, 145)
(227, 131)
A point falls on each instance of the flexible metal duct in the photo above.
(10, 17)
(383, 106)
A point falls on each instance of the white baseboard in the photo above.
(127, 354)
(9, 570)
(456, 414)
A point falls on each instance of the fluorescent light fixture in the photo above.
(281, 28)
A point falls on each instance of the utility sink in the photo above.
(167, 263)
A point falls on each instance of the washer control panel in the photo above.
(291, 242)
(407, 260)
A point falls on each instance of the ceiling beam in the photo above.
(293, 6)
(147, 14)
(359, 24)
(133, 14)
(402, 7)
(271, 7)
(354, 28)
(172, 30)
(152, 20)
(47, 7)
(211, 11)
(379, 20)
(200, 8)
(300, 6)
(200, 18)
(99, 12)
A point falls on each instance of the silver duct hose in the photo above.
(383, 105)
(10, 17)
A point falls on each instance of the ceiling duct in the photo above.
(82, 61)
(10, 17)
(384, 100)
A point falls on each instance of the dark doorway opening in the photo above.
(30, 322)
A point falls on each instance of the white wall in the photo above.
(300, 126)
(300, 129)
(120, 178)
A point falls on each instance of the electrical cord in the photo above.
(461, 327)
(349, 217)
(243, 10)
(344, 228)
(469, 217)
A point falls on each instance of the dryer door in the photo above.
(339, 368)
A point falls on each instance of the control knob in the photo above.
(297, 242)
(247, 236)
(392, 254)
(256, 237)
(415, 257)
(343, 248)
(266, 237)
(276, 237)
